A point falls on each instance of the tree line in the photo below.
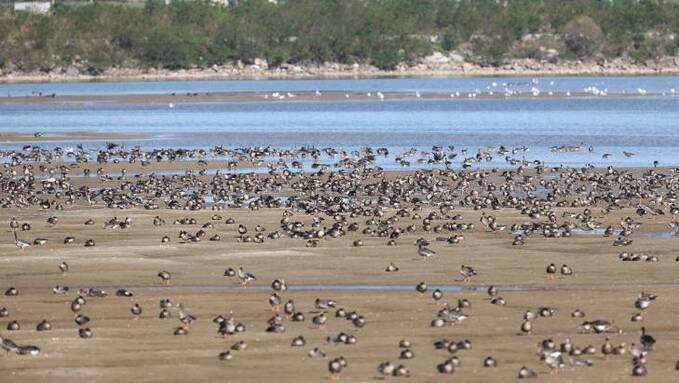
(186, 34)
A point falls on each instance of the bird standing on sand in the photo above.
(646, 340)
(245, 277)
(336, 366)
(136, 310)
(165, 277)
(275, 302)
(20, 243)
(467, 273)
(525, 373)
(63, 267)
(425, 252)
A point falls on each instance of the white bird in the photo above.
(21, 244)
(245, 277)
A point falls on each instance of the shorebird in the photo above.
(324, 304)
(244, 277)
(386, 369)
(336, 366)
(165, 277)
(551, 270)
(492, 291)
(275, 302)
(85, 333)
(184, 316)
(279, 285)
(525, 373)
(489, 362)
(44, 326)
(646, 340)
(467, 273)
(566, 270)
(136, 310)
(20, 243)
(425, 252)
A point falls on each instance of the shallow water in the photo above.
(611, 84)
(364, 287)
(646, 126)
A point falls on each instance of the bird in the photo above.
(425, 252)
(324, 304)
(407, 354)
(551, 270)
(320, 319)
(639, 370)
(447, 367)
(279, 285)
(421, 288)
(489, 362)
(467, 273)
(492, 291)
(386, 368)
(43, 326)
(225, 355)
(298, 341)
(85, 333)
(437, 295)
(646, 340)
(165, 277)
(275, 302)
(335, 366)
(63, 267)
(566, 270)
(245, 277)
(184, 316)
(20, 243)
(316, 353)
(136, 310)
(525, 373)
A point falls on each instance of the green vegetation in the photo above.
(188, 34)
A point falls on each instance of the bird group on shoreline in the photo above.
(350, 198)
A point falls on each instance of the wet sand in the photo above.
(81, 135)
(144, 350)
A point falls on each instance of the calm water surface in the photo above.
(647, 126)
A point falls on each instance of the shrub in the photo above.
(583, 36)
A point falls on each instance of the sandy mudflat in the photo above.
(144, 350)
(179, 98)
(64, 136)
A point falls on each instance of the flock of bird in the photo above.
(347, 194)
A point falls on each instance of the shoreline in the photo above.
(517, 68)
(258, 96)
